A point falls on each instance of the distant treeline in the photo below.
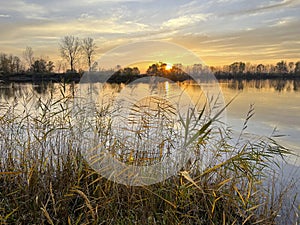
(12, 69)
(241, 70)
(255, 76)
(237, 70)
(74, 51)
(160, 69)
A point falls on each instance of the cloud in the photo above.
(23, 7)
(281, 22)
(192, 7)
(5, 16)
(263, 44)
(217, 29)
(226, 1)
(117, 1)
(186, 20)
(270, 5)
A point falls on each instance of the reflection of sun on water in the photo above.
(167, 88)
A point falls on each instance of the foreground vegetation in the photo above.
(44, 178)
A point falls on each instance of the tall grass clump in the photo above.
(45, 179)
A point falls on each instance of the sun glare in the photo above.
(169, 66)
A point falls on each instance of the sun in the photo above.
(169, 66)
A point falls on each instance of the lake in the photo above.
(276, 105)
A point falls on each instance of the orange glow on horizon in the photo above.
(169, 66)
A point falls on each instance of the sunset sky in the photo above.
(218, 31)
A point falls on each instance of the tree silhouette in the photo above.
(175, 73)
(281, 67)
(297, 68)
(291, 67)
(41, 66)
(10, 64)
(88, 48)
(28, 56)
(260, 68)
(158, 69)
(237, 67)
(128, 71)
(70, 50)
(153, 70)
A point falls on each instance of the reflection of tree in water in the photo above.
(235, 84)
(5, 92)
(231, 84)
(116, 87)
(12, 90)
(296, 84)
(240, 85)
(258, 84)
(19, 90)
(276, 84)
(284, 85)
(42, 88)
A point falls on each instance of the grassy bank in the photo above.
(45, 179)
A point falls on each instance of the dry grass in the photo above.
(45, 180)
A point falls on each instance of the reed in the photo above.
(44, 179)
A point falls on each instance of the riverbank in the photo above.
(127, 78)
(256, 76)
(40, 77)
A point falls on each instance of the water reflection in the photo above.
(276, 101)
(42, 88)
(19, 90)
(16, 90)
(278, 85)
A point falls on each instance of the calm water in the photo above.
(276, 104)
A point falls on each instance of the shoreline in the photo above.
(75, 77)
(40, 78)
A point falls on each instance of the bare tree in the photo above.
(291, 67)
(17, 63)
(28, 56)
(260, 68)
(88, 48)
(61, 66)
(282, 67)
(10, 64)
(70, 50)
(297, 68)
